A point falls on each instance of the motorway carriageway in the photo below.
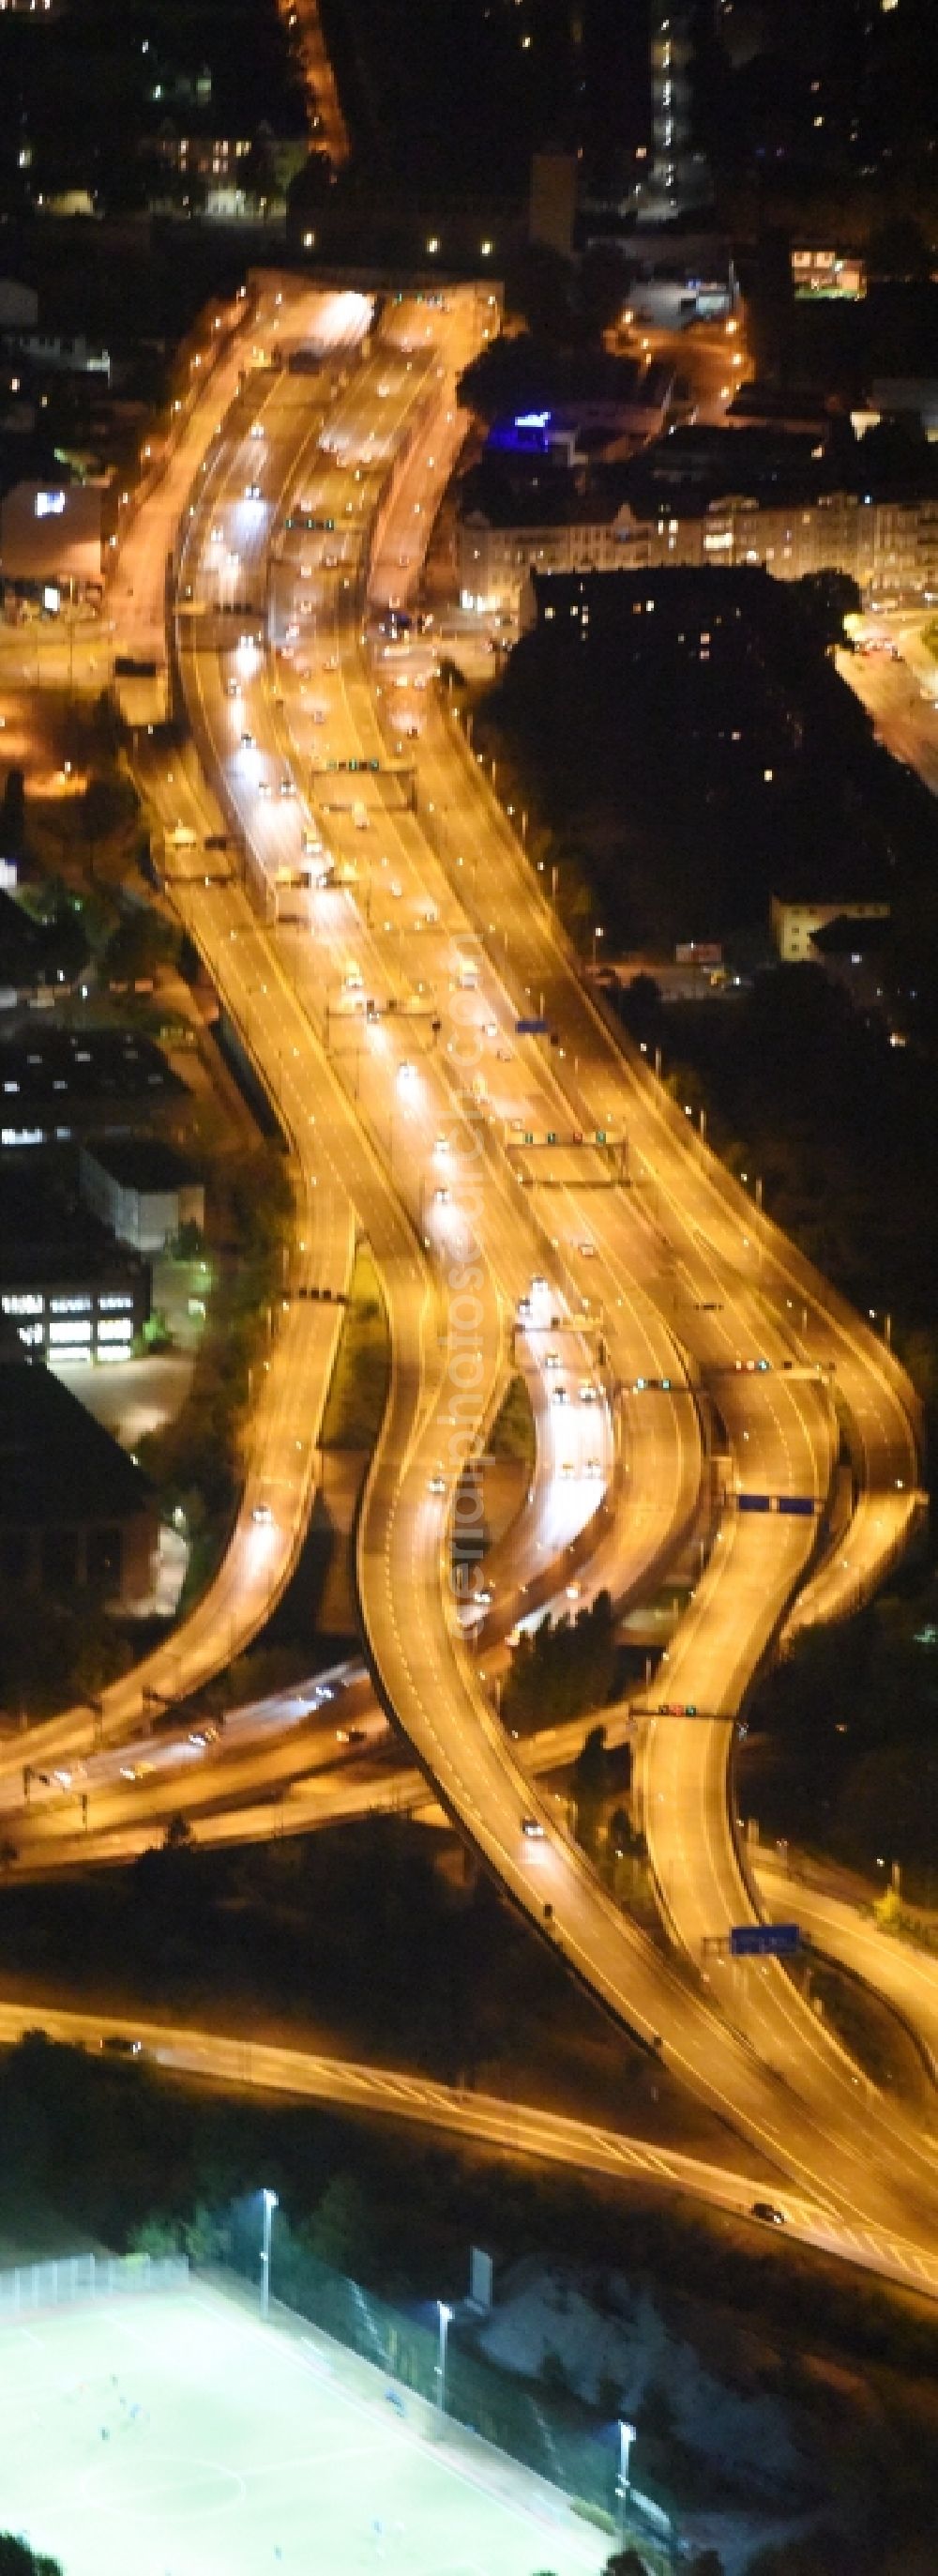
(413, 1289)
(282, 1459)
(790, 1429)
(318, 1755)
(581, 1900)
(286, 1749)
(424, 1675)
(275, 826)
(726, 1262)
(478, 2120)
(473, 1737)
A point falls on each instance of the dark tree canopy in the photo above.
(563, 1667)
(17, 2559)
(13, 814)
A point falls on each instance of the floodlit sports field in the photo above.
(177, 2436)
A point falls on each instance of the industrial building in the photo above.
(76, 1514)
(58, 1084)
(66, 1290)
(142, 1189)
(51, 539)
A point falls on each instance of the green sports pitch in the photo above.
(177, 2435)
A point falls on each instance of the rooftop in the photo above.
(44, 1231)
(50, 1067)
(141, 1162)
(550, 498)
(759, 400)
(689, 472)
(56, 1463)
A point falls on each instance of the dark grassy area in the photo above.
(512, 1434)
(370, 1939)
(803, 1088)
(842, 1753)
(358, 1391)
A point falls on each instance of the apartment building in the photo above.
(779, 504)
(795, 922)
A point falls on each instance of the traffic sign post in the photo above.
(764, 1940)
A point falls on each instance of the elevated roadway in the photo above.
(281, 1454)
(476, 2119)
(801, 2108)
(424, 1110)
(422, 1666)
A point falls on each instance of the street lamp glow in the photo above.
(271, 2203)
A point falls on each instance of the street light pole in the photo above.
(626, 2439)
(445, 2314)
(269, 2199)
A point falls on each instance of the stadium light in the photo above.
(445, 2314)
(270, 2201)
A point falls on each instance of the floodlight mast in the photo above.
(626, 2439)
(445, 2314)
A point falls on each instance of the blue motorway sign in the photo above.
(764, 1940)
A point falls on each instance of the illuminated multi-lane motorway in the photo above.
(376, 934)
